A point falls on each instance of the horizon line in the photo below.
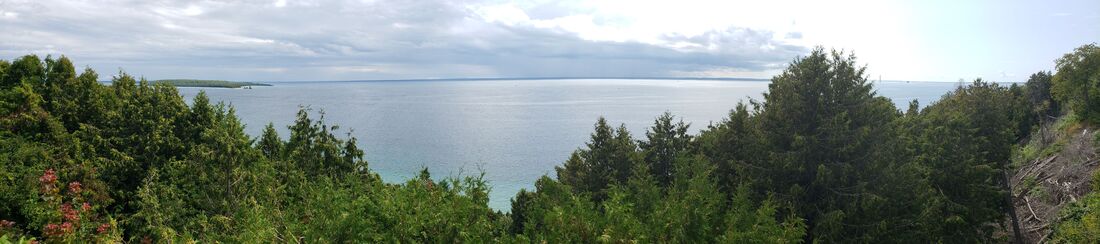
(548, 78)
(566, 78)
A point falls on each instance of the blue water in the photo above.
(512, 130)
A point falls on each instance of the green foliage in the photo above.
(734, 145)
(6, 239)
(608, 159)
(270, 145)
(1080, 222)
(167, 171)
(28, 68)
(822, 124)
(1095, 181)
(821, 159)
(691, 209)
(314, 149)
(1077, 81)
(1039, 94)
(664, 142)
(967, 138)
(745, 225)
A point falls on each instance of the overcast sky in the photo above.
(274, 40)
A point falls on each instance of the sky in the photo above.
(287, 40)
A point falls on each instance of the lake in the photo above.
(514, 131)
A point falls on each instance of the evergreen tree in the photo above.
(734, 145)
(270, 145)
(1039, 95)
(822, 122)
(665, 141)
(821, 159)
(965, 142)
(607, 160)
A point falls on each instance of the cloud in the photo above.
(352, 39)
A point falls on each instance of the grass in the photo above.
(208, 83)
(1035, 150)
(1068, 124)
(1027, 185)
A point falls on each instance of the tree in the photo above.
(314, 149)
(965, 143)
(1039, 95)
(608, 159)
(691, 210)
(1076, 80)
(734, 145)
(821, 159)
(747, 225)
(270, 145)
(665, 141)
(822, 123)
(520, 205)
(4, 64)
(28, 68)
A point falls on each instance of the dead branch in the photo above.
(1036, 216)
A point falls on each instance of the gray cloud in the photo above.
(322, 40)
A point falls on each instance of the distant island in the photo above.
(209, 83)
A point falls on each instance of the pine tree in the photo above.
(734, 145)
(608, 159)
(822, 121)
(664, 142)
(270, 145)
(965, 143)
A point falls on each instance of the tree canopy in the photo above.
(822, 158)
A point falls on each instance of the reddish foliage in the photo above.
(103, 228)
(53, 230)
(72, 216)
(69, 213)
(75, 187)
(66, 227)
(49, 177)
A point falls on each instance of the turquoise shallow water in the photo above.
(512, 130)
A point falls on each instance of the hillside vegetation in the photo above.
(1056, 183)
(822, 158)
(1055, 171)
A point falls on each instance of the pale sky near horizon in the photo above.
(280, 40)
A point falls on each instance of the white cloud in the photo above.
(328, 39)
(351, 39)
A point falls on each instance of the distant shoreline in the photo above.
(586, 78)
(241, 84)
(533, 78)
(572, 78)
(208, 83)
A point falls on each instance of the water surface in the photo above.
(512, 130)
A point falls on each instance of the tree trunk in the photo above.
(1011, 208)
(1088, 103)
